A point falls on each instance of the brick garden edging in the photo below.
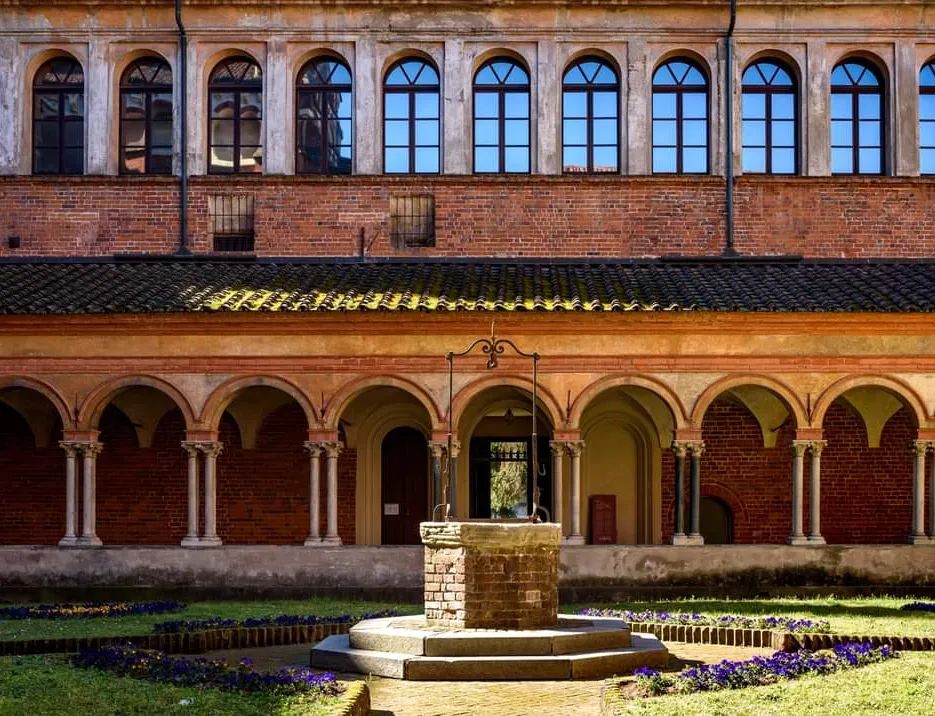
(183, 642)
(813, 642)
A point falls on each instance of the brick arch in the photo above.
(716, 389)
(47, 391)
(89, 415)
(227, 392)
(467, 394)
(898, 388)
(346, 394)
(711, 488)
(598, 387)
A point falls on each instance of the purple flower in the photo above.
(174, 627)
(89, 610)
(791, 624)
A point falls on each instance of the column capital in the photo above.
(696, 447)
(455, 449)
(817, 446)
(314, 449)
(332, 449)
(190, 446)
(558, 447)
(210, 449)
(438, 449)
(680, 447)
(575, 447)
(919, 447)
(800, 446)
(70, 447)
(91, 449)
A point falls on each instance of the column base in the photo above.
(314, 542)
(689, 540)
(816, 540)
(68, 542)
(332, 541)
(919, 539)
(210, 542)
(191, 542)
(573, 540)
(94, 541)
(797, 540)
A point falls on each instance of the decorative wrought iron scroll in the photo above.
(493, 348)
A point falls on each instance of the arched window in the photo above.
(769, 119)
(680, 118)
(58, 118)
(323, 130)
(501, 117)
(856, 119)
(927, 119)
(411, 118)
(235, 130)
(590, 117)
(146, 117)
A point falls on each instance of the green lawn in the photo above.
(40, 685)
(901, 686)
(856, 616)
(120, 626)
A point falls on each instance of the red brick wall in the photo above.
(484, 216)
(32, 484)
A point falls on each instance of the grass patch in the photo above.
(143, 624)
(901, 686)
(41, 685)
(856, 616)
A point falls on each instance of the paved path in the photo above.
(484, 698)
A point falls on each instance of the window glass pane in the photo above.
(162, 134)
(664, 133)
(841, 133)
(162, 107)
(222, 104)
(695, 132)
(426, 132)
(133, 161)
(517, 159)
(222, 159)
(73, 134)
(869, 134)
(694, 160)
(45, 134)
(308, 133)
(45, 106)
(397, 105)
(604, 104)
(869, 161)
(134, 105)
(664, 160)
(927, 161)
(783, 106)
(341, 132)
(45, 161)
(486, 159)
(664, 105)
(605, 159)
(516, 104)
(869, 106)
(427, 105)
(783, 133)
(783, 161)
(575, 131)
(842, 161)
(754, 132)
(575, 159)
(841, 106)
(927, 106)
(73, 105)
(251, 132)
(754, 105)
(160, 161)
(694, 105)
(927, 134)
(73, 160)
(605, 131)
(134, 133)
(222, 132)
(251, 159)
(342, 105)
(396, 133)
(517, 131)
(251, 105)
(754, 159)
(396, 161)
(486, 104)
(427, 161)
(575, 104)
(486, 131)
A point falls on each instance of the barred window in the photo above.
(146, 118)
(232, 222)
(412, 221)
(58, 118)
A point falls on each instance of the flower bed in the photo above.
(191, 625)
(731, 621)
(761, 670)
(181, 671)
(918, 607)
(89, 610)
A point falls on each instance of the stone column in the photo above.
(211, 450)
(314, 491)
(89, 537)
(798, 463)
(191, 538)
(558, 457)
(932, 497)
(368, 109)
(814, 494)
(904, 99)
(455, 86)
(547, 77)
(332, 450)
(815, 110)
(575, 448)
(694, 526)
(71, 495)
(98, 117)
(278, 151)
(681, 450)
(453, 487)
(919, 448)
(437, 451)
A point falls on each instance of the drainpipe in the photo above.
(183, 249)
(729, 127)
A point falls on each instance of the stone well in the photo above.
(491, 575)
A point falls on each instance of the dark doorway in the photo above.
(404, 486)
(501, 477)
(717, 521)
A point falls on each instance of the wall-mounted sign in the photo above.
(391, 509)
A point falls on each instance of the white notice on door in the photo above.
(391, 508)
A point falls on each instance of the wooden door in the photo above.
(404, 486)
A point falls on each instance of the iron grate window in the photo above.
(412, 221)
(232, 222)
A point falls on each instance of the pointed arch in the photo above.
(897, 387)
(89, 415)
(224, 395)
(716, 389)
